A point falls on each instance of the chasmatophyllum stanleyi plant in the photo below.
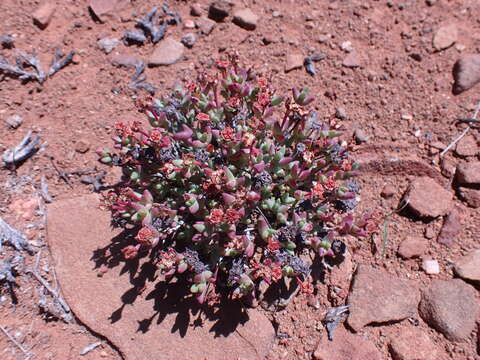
(231, 184)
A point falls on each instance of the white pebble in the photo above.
(431, 266)
(347, 46)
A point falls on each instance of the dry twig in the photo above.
(53, 292)
(334, 317)
(9, 235)
(25, 352)
(458, 138)
(90, 347)
(27, 147)
(59, 61)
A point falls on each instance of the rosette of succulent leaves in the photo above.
(230, 184)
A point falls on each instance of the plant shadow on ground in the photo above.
(170, 297)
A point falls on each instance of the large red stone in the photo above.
(378, 297)
(346, 346)
(147, 326)
(427, 199)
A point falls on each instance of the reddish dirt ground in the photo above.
(400, 103)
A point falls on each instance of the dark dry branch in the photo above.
(59, 61)
(152, 28)
(9, 269)
(61, 174)
(53, 309)
(27, 147)
(134, 37)
(10, 236)
(175, 17)
(56, 296)
(468, 120)
(18, 69)
(147, 24)
(138, 80)
(24, 59)
(96, 181)
(334, 317)
(44, 190)
(309, 61)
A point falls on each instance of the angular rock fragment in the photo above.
(107, 44)
(352, 60)
(412, 247)
(468, 173)
(245, 18)
(413, 344)
(205, 25)
(188, 40)
(220, 9)
(427, 199)
(43, 15)
(470, 196)
(104, 8)
(445, 37)
(346, 346)
(125, 60)
(378, 297)
(451, 228)
(293, 61)
(468, 267)
(167, 52)
(467, 146)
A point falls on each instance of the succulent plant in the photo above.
(230, 182)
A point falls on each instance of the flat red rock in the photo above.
(378, 297)
(346, 346)
(146, 326)
(428, 199)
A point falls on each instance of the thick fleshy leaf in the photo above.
(185, 134)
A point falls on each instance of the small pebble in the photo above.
(196, 9)
(107, 44)
(340, 113)
(429, 232)
(387, 192)
(82, 146)
(360, 136)
(43, 15)
(14, 121)
(189, 24)
(188, 40)
(346, 46)
(431, 266)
